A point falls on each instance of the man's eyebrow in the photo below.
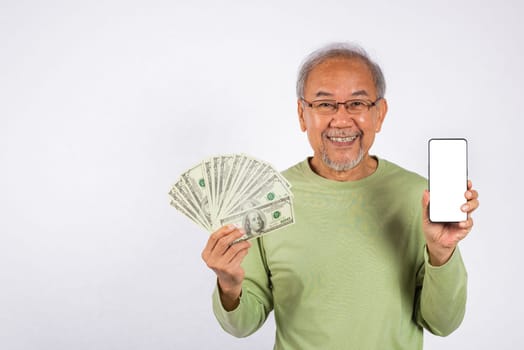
(360, 93)
(323, 94)
(329, 94)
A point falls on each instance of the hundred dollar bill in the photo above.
(237, 178)
(215, 161)
(284, 180)
(254, 174)
(220, 187)
(263, 172)
(183, 190)
(227, 168)
(263, 219)
(182, 205)
(272, 190)
(195, 182)
(208, 172)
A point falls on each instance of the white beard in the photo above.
(343, 166)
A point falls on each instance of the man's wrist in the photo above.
(439, 256)
(230, 298)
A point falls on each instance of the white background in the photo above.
(104, 103)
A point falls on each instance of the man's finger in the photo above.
(224, 243)
(239, 257)
(236, 249)
(216, 236)
(425, 204)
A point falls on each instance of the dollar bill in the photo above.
(185, 192)
(271, 190)
(196, 184)
(227, 168)
(180, 203)
(282, 178)
(208, 174)
(236, 178)
(263, 173)
(232, 189)
(263, 219)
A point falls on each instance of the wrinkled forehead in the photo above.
(340, 73)
(340, 65)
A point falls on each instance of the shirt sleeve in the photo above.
(441, 301)
(256, 300)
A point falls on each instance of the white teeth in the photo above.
(343, 139)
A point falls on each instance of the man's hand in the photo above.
(224, 258)
(442, 238)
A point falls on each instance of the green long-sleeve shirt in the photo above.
(352, 272)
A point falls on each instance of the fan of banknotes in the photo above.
(234, 189)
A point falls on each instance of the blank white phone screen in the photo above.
(448, 176)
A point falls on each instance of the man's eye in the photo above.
(325, 105)
(356, 104)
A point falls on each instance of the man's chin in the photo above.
(342, 164)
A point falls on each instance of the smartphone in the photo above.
(448, 179)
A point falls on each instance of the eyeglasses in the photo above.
(355, 106)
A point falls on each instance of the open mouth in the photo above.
(342, 139)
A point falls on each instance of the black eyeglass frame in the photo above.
(345, 103)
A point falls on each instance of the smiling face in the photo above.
(341, 141)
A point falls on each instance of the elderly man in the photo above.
(363, 267)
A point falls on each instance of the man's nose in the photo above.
(342, 118)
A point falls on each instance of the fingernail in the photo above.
(242, 231)
(465, 207)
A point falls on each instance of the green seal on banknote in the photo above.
(276, 214)
(202, 183)
(270, 196)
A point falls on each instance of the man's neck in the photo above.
(366, 167)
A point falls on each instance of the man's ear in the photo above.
(382, 111)
(300, 111)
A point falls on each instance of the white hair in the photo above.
(345, 50)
